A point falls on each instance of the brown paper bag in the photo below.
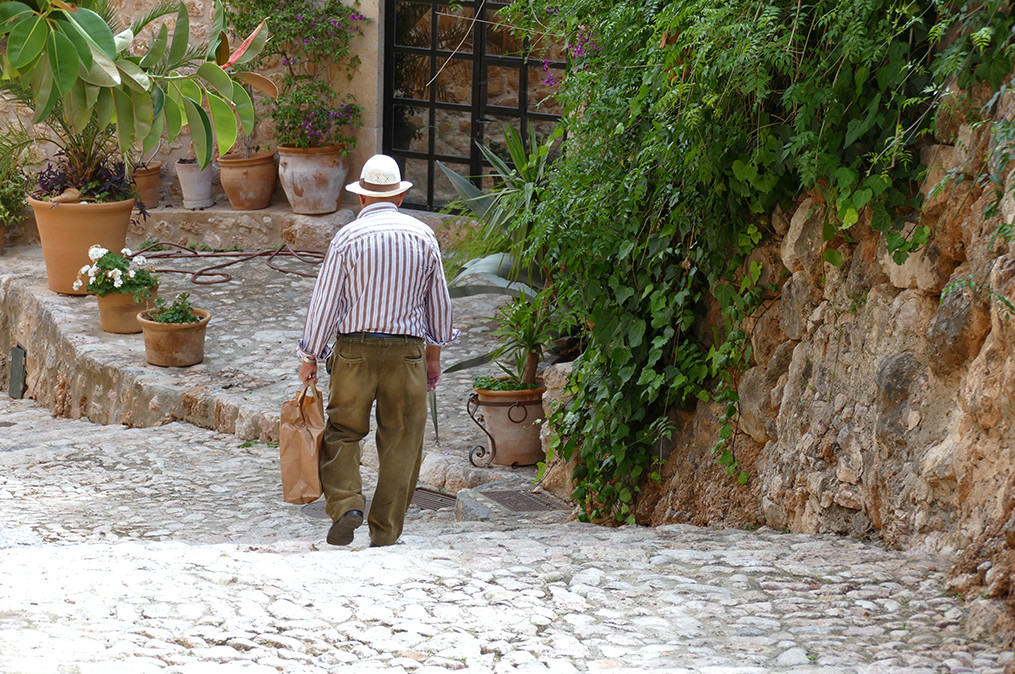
(300, 434)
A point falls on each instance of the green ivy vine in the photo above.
(687, 123)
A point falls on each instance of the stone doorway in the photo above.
(453, 78)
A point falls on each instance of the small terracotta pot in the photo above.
(174, 344)
(249, 182)
(118, 313)
(147, 181)
(313, 178)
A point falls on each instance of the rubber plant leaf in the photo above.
(218, 78)
(173, 112)
(224, 122)
(9, 11)
(218, 28)
(259, 82)
(181, 37)
(153, 137)
(27, 40)
(103, 72)
(93, 29)
(244, 109)
(222, 53)
(122, 40)
(200, 131)
(104, 107)
(124, 119)
(158, 49)
(63, 60)
(134, 77)
(144, 113)
(76, 109)
(84, 49)
(46, 93)
(235, 57)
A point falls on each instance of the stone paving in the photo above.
(169, 550)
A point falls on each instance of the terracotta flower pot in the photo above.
(67, 231)
(174, 344)
(195, 184)
(313, 178)
(249, 182)
(513, 420)
(147, 181)
(118, 313)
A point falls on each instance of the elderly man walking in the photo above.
(382, 290)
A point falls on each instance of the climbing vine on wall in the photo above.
(688, 122)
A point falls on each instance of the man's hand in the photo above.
(308, 371)
(433, 367)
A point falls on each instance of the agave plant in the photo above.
(78, 69)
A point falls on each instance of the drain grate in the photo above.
(424, 499)
(520, 501)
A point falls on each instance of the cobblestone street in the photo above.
(169, 550)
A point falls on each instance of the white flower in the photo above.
(85, 269)
(125, 252)
(140, 260)
(131, 274)
(118, 282)
(93, 271)
(77, 285)
(96, 252)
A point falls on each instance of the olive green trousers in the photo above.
(390, 371)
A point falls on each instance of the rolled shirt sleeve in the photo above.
(439, 329)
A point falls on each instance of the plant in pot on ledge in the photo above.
(82, 80)
(13, 141)
(314, 130)
(174, 333)
(124, 285)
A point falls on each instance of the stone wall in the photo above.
(876, 404)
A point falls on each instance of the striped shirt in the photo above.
(382, 273)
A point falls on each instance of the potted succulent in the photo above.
(89, 82)
(123, 283)
(314, 129)
(174, 333)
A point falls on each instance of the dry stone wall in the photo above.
(876, 404)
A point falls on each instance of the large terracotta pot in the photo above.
(195, 184)
(147, 181)
(248, 181)
(513, 420)
(67, 231)
(174, 344)
(118, 313)
(313, 178)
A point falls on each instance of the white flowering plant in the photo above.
(117, 273)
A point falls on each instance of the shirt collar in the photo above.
(377, 208)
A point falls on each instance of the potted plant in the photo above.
(123, 283)
(174, 333)
(88, 81)
(147, 179)
(195, 183)
(314, 129)
(248, 177)
(13, 141)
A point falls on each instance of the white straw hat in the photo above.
(380, 177)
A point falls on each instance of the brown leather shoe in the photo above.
(342, 530)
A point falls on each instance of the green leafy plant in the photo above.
(311, 41)
(117, 273)
(13, 141)
(180, 311)
(79, 69)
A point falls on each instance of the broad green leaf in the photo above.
(135, 78)
(94, 29)
(103, 72)
(244, 109)
(224, 122)
(218, 26)
(861, 198)
(181, 37)
(76, 108)
(174, 118)
(27, 40)
(63, 60)
(124, 119)
(158, 48)
(477, 200)
(259, 82)
(152, 139)
(192, 90)
(122, 40)
(46, 93)
(144, 113)
(81, 45)
(850, 217)
(9, 11)
(636, 334)
(216, 77)
(104, 107)
(200, 131)
(222, 53)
